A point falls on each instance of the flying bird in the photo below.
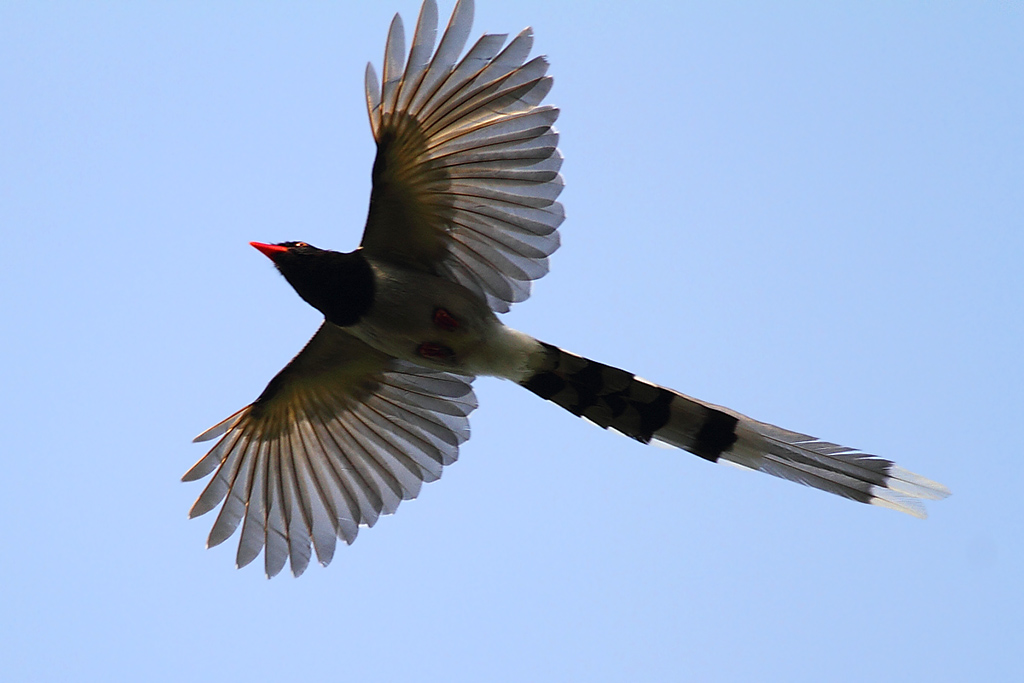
(463, 217)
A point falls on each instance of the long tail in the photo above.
(614, 398)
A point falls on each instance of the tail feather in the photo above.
(616, 399)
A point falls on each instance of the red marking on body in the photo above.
(432, 350)
(445, 320)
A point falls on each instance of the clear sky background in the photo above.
(811, 213)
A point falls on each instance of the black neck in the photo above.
(338, 285)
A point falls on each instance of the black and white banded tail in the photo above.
(616, 399)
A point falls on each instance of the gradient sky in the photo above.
(810, 213)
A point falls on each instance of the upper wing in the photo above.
(341, 435)
(466, 173)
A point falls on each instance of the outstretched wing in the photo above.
(340, 436)
(466, 174)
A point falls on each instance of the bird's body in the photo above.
(463, 216)
(407, 313)
(440, 324)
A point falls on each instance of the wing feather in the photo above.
(394, 63)
(277, 527)
(443, 61)
(466, 179)
(254, 524)
(328, 465)
(419, 53)
(349, 488)
(464, 101)
(340, 436)
(477, 58)
(233, 508)
(296, 520)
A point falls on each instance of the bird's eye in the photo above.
(301, 244)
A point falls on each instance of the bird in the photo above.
(463, 217)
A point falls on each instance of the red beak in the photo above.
(269, 250)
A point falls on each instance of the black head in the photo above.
(338, 285)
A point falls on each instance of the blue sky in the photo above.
(808, 212)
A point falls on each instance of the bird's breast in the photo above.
(429, 320)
